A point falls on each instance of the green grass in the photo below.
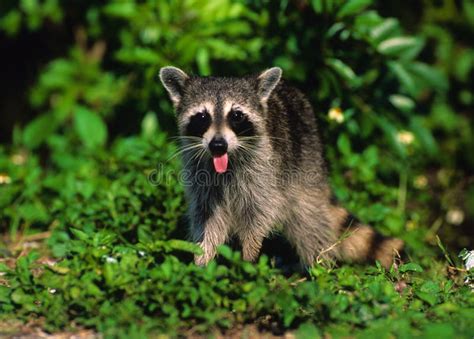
(119, 269)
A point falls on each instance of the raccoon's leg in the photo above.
(251, 239)
(209, 233)
(254, 223)
(308, 229)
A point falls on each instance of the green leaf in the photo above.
(123, 10)
(424, 135)
(443, 330)
(138, 55)
(58, 269)
(5, 294)
(385, 29)
(430, 287)
(11, 22)
(344, 144)
(308, 331)
(427, 297)
(90, 127)
(394, 46)
(432, 78)
(202, 60)
(20, 297)
(402, 102)
(410, 267)
(406, 78)
(343, 70)
(38, 130)
(352, 7)
(317, 5)
(33, 212)
(185, 246)
(391, 134)
(464, 64)
(4, 268)
(150, 125)
(79, 234)
(225, 251)
(249, 268)
(468, 11)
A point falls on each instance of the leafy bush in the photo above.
(95, 168)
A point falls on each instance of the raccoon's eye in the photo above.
(239, 123)
(198, 123)
(202, 115)
(236, 115)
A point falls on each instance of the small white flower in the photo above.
(335, 113)
(405, 137)
(141, 253)
(110, 260)
(18, 158)
(52, 290)
(420, 182)
(469, 260)
(5, 179)
(455, 216)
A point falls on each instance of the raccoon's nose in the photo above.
(218, 146)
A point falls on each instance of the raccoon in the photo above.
(254, 161)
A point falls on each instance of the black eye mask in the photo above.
(198, 124)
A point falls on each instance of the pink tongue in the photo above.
(220, 163)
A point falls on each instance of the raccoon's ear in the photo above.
(174, 80)
(267, 82)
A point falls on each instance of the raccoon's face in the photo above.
(218, 117)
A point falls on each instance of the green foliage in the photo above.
(123, 284)
(29, 13)
(393, 106)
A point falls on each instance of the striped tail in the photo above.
(361, 243)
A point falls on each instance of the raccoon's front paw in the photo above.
(206, 256)
(201, 260)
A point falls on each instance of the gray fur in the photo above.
(277, 176)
